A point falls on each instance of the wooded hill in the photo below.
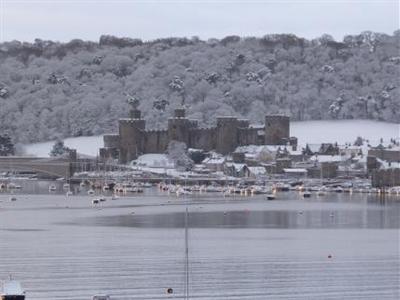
(50, 89)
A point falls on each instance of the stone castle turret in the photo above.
(227, 134)
(131, 133)
(277, 129)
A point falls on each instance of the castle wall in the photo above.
(203, 138)
(155, 141)
(131, 132)
(111, 141)
(277, 130)
(230, 132)
(243, 123)
(227, 134)
(248, 136)
(385, 154)
(178, 129)
(385, 178)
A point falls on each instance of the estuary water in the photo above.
(339, 246)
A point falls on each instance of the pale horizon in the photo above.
(87, 20)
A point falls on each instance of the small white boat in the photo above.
(14, 186)
(90, 192)
(66, 186)
(12, 290)
(282, 187)
(271, 196)
(339, 189)
(321, 191)
(69, 193)
(101, 297)
(52, 188)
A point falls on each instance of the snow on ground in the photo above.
(87, 145)
(341, 131)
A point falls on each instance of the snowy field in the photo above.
(87, 145)
(342, 131)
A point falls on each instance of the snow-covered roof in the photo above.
(237, 166)
(249, 149)
(388, 165)
(153, 161)
(314, 147)
(326, 158)
(274, 148)
(194, 150)
(257, 126)
(352, 147)
(293, 170)
(394, 148)
(295, 152)
(257, 170)
(214, 160)
(258, 148)
(12, 288)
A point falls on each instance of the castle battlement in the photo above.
(156, 131)
(229, 133)
(202, 129)
(127, 120)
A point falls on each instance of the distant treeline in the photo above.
(51, 90)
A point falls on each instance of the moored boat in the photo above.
(271, 196)
(12, 290)
(101, 297)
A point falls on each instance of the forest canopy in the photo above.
(51, 90)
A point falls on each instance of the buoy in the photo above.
(301, 212)
(329, 256)
(170, 291)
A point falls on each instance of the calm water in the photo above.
(240, 248)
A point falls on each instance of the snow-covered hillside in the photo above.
(342, 131)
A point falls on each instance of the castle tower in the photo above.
(131, 134)
(277, 129)
(178, 127)
(227, 134)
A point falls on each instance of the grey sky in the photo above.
(64, 20)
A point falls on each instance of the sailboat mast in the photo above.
(186, 254)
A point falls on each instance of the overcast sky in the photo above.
(64, 20)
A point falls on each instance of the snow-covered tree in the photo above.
(6, 145)
(177, 152)
(59, 149)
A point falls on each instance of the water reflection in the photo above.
(313, 219)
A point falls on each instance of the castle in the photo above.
(134, 140)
